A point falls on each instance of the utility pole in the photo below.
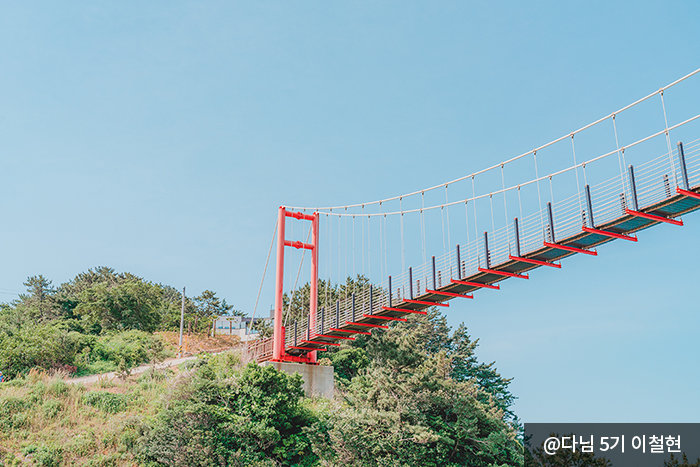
(182, 322)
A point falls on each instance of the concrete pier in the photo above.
(318, 379)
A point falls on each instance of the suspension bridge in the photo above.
(607, 181)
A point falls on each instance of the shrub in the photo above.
(12, 412)
(106, 401)
(131, 347)
(151, 375)
(44, 455)
(348, 362)
(225, 365)
(44, 346)
(51, 408)
(96, 367)
(58, 388)
(252, 418)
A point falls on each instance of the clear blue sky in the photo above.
(159, 138)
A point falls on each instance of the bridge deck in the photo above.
(584, 241)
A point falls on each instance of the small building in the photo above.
(237, 326)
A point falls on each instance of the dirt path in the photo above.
(140, 369)
(134, 371)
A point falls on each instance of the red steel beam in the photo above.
(304, 348)
(690, 194)
(653, 217)
(450, 294)
(351, 331)
(610, 234)
(423, 302)
(404, 310)
(334, 337)
(504, 273)
(298, 245)
(534, 261)
(299, 359)
(367, 325)
(299, 215)
(476, 284)
(278, 336)
(388, 318)
(571, 248)
(320, 343)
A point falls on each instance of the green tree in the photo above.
(348, 362)
(405, 345)
(99, 275)
(171, 308)
(70, 294)
(208, 306)
(129, 305)
(39, 301)
(415, 415)
(465, 366)
(253, 418)
(415, 394)
(263, 327)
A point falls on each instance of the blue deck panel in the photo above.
(591, 240)
(550, 254)
(633, 224)
(681, 206)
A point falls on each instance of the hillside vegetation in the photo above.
(412, 395)
(100, 321)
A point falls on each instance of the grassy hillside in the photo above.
(47, 422)
(410, 396)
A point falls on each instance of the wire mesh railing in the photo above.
(568, 217)
(655, 181)
(532, 233)
(608, 200)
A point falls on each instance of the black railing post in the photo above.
(410, 282)
(295, 333)
(390, 301)
(459, 264)
(371, 302)
(486, 250)
(434, 283)
(550, 216)
(337, 314)
(589, 206)
(353, 307)
(323, 318)
(517, 237)
(635, 202)
(684, 168)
